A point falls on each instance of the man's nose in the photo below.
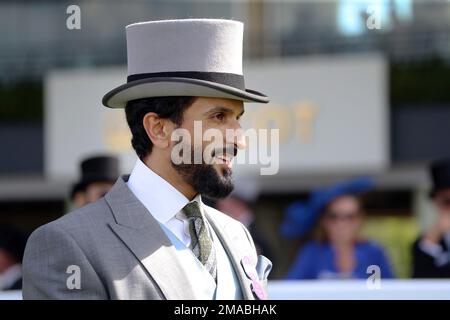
(239, 137)
(241, 142)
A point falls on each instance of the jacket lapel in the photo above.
(230, 245)
(144, 237)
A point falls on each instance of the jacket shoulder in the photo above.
(79, 222)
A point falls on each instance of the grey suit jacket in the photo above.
(115, 249)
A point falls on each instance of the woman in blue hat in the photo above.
(338, 252)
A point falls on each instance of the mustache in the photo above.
(230, 150)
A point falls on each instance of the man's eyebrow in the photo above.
(223, 109)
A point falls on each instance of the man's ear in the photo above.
(158, 130)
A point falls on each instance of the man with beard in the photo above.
(151, 236)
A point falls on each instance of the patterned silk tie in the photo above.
(201, 242)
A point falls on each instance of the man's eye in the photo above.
(219, 116)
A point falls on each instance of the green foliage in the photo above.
(396, 235)
(420, 82)
(22, 101)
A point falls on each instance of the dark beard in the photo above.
(205, 179)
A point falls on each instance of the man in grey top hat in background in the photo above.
(151, 236)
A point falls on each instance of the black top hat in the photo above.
(440, 175)
(97, 169)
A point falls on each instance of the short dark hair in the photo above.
(171, 108)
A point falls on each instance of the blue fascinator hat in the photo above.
(301, 216)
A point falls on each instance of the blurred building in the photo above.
(413, 37)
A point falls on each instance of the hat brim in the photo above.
(174, 86)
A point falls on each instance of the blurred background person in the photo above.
(239, 205)
(338, 251)
(98, 175)
(431, 251)
(12, 246)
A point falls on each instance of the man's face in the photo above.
(442, 201)
(212, 176)
(6, 261)
(442, 204)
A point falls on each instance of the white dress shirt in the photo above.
(435, 250)
(165, 203)
(162, 200)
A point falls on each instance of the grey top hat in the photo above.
(188, 57)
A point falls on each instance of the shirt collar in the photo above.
(198, 198)
(162, 199)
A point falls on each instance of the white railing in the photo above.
(11, 295)
(360, 290)
(341, 290)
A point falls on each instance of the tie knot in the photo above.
(192, 210)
